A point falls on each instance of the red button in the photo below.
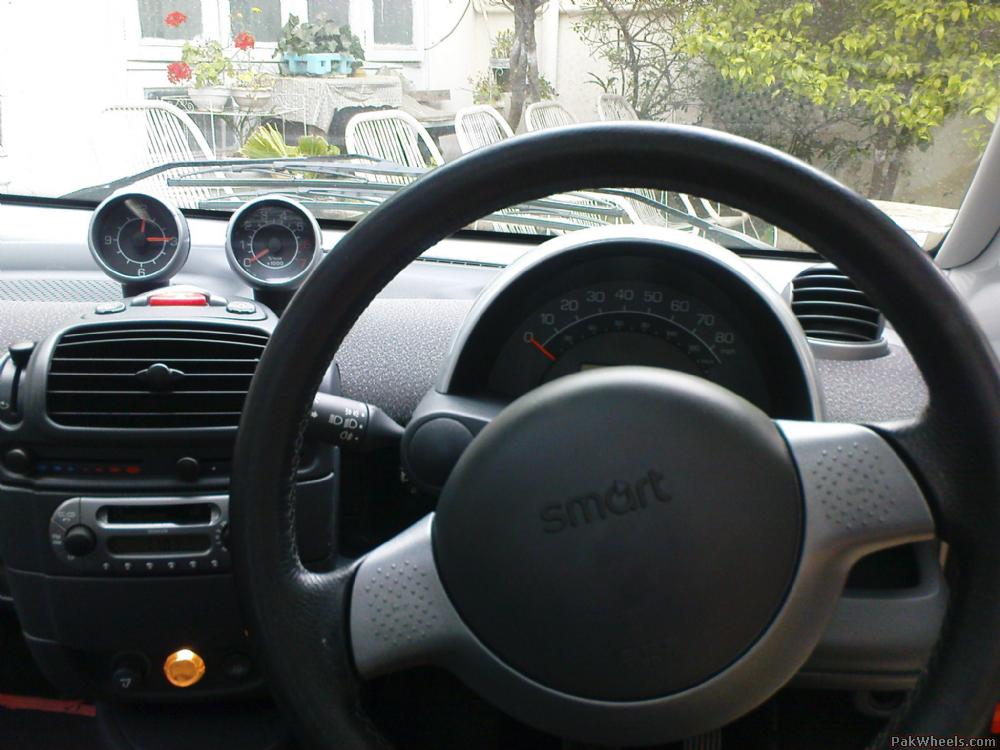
(178, 299)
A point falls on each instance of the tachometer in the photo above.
(273, 242)
(135, 237)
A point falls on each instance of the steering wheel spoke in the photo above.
(400, 615)
(859, 496)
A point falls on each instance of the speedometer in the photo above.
(136, 237)
(613, 323)
(273, 242)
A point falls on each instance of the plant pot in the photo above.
(210, 98)
(252, 100)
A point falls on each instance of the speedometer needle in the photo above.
(158, 239)
(541, 347)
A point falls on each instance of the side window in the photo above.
(393, 21)
(337, 11)
(262, 18)
(153, 19)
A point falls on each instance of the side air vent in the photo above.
(152, 377)
(830, 308)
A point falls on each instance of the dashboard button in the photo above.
(125, 679)
(188, 469)
(110, 308)
(79, 541)
(178, 299)
(17, 460)
(241, 307)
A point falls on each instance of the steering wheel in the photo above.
(616, 636)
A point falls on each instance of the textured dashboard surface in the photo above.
(59, 290)
(396, 350)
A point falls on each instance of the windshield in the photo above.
(340, 103)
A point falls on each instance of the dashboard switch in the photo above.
(241, 307)
(184, 668)
(188, 469)
(79, 541)
(17, 460)
(21, 353)
(178, 299)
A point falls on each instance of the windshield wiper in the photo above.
(350, 185)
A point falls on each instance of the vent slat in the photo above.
(830, 307)
(94, 377)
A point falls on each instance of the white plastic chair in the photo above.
(543, 115)
(392, 135)
(479, 126)
(131, 138)
(611, 107)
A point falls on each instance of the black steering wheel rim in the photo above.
(296, 617)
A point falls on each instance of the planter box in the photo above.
(318, 64)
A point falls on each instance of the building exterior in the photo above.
(57, 75)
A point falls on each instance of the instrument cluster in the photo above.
(140, 240)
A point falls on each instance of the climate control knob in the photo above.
(79, 541)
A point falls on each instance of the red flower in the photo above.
(244, 41)
(175, 18)
(178, 71)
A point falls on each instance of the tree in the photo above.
(638, 41)
(896, 68)
(525, 86)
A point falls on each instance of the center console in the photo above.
(116, 440)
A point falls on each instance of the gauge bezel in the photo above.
(292, 282)
(502, 302)
(172, 266)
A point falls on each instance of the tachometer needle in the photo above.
(158, 239)
(254, 258)
(541, 347)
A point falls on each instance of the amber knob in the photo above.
(184, 668)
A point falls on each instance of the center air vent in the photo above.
(831, 308)
(152, 377)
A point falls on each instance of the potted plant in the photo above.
(204, 63)
(252, 88)
(318, 48)
(208, 67)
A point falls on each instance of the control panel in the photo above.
(155, 536)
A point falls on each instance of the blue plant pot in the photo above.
(318, 64)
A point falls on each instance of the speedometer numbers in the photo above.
(617, 323)
(273, 242)
(137, 238)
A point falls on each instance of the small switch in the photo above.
(241, 307)
(237, 667)
(126, 678)
(20, 353)
(79, 541)
(178, 299)
(110, 308)
(17, 460)
(188, 469)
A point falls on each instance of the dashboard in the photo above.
(476, 320)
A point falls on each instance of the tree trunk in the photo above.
(524, 83)
(887, 160)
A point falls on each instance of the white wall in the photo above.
(50, 93)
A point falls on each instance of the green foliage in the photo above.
(640, 42)
(487, 89)
(266, 142)
(208, 61)
(895, 68)
(317, 37)
(503, 43)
